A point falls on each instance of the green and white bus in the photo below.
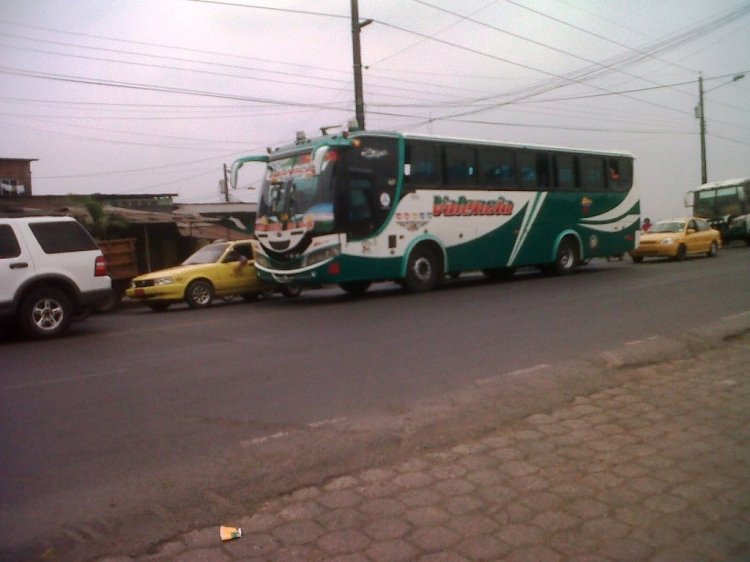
(361, 207)
(726, 206)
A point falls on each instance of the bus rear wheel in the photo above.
(566, 258)
(423, 271)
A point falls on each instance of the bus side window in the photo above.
(565, 171)
(527, 167)
(613, 174)
(543, 171)
(497, 167)
(592, 173)
(424, 165)
(460, 166)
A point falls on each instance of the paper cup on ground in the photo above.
(229, 533)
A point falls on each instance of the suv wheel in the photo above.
(45, 313)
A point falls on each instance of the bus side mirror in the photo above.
(688, 199)
(233, 175)
(319, 158)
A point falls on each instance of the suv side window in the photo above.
(63, 236)
(9, 247)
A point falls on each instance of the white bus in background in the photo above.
(726, 206)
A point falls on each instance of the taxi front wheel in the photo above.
(199, 294)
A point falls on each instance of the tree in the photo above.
(101, 223)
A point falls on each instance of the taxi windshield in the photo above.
(207, 254)
(668, 226)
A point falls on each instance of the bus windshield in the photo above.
(292, 195)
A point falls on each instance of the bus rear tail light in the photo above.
(100, 267)
(334, 268)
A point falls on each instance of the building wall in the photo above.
(16, 172)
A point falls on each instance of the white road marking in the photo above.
(496, 378)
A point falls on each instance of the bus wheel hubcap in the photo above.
(423, 269)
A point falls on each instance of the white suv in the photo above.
(51, 271)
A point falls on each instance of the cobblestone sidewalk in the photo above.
(657, 469)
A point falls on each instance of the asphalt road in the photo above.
(95, 421)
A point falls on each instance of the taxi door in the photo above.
(238, 275)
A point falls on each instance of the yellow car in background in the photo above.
(676, 239)
(221, 269)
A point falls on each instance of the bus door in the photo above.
(366, 186)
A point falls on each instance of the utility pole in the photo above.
(359, 102)
(701, 115)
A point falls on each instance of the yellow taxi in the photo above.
(221, 269)
(676, 239)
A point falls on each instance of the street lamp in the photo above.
(700, 114)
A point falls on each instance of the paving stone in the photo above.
(486, 477)
(376, 475)
(470, 448)
(454, 487)
(464, 504)
(413, 480)
(586, 508)
(472, 524)
(340, 542)
(301, 510)
(341, 519)
(252, 546)
(666, 503)
(392, 551)
(442, 557)
(606, 528)
(382, 529)
(448, 471)
(260, 522)
(536, 553)
(348, 558)
(507, 453)
(554, 521)
(520, 534)
(339, 498)
(625, 550)
(378, 489)
(426, 516)
(204, 555)
(298, 532)
(383, 507)
(573, 542)
(478, 461)
(517, 513)
(420, 497)
(201, 537)
(484, 547)
(433, 539)
(342, 483)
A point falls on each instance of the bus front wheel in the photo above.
(423, 271)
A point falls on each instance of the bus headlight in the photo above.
(322, 255)
(262, 260)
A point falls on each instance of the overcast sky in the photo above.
(154, 96)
